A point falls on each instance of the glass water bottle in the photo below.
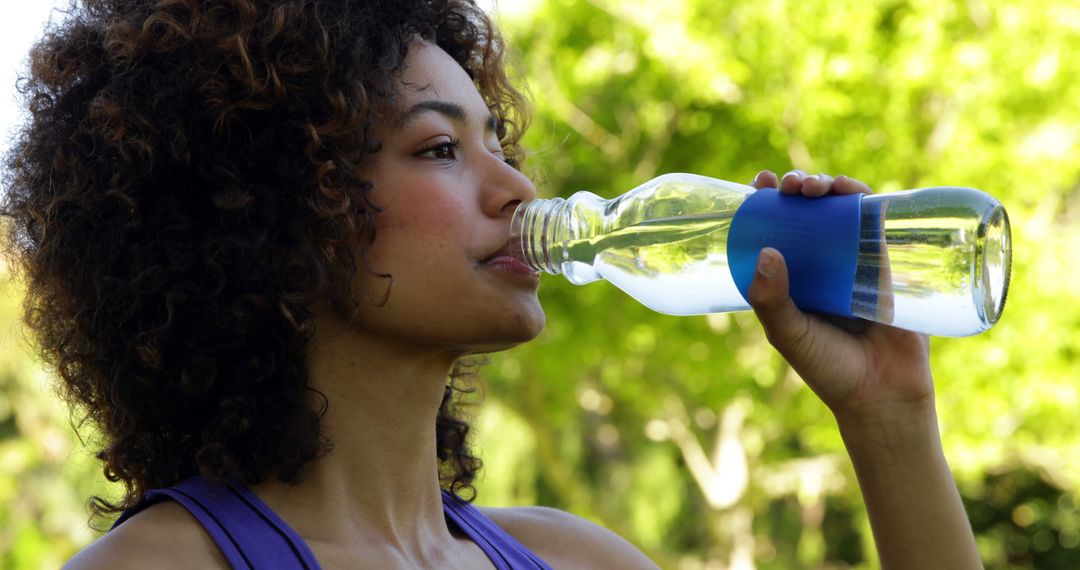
(934, 260)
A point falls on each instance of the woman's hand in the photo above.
(876, 380)
(860, 369)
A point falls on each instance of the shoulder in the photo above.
(564, 540)
(162, 536)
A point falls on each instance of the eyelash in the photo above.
(451, 147)
(446, 147)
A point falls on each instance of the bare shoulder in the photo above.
(163, 536)
(565, 540)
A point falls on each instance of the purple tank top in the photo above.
(251, 535)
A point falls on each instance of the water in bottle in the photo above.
(934, 260)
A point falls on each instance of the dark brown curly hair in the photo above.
(187, 187)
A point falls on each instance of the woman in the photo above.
(260, 238)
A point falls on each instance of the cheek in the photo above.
(411, 243)
(411, 215)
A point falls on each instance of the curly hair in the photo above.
(187, 186)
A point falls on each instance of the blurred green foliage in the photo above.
(690, 436)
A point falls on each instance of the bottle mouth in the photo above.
(519, 235)
(530, 231)
(993, 264)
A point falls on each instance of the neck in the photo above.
(380, 482)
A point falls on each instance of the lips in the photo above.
(511, 249)
(509, 260)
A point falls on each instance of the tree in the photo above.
(689, 435)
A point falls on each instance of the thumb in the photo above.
(785, 325)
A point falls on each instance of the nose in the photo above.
(505, 188)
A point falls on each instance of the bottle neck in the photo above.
(537, 226)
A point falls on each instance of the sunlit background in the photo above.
(690, 436)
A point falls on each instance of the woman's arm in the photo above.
(163, 536)
(568, 542)
(876, 380)
(915, 509)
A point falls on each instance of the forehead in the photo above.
(431, 74)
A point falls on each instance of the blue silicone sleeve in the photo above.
(819, 238)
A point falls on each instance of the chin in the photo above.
(530, 323)
(521, 328)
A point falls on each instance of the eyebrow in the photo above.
(446, 108)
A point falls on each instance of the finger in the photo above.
(817, 185)
(816, 350)
(765, 179)
(792, 182)
(785, 325)
(846, 185)
(853, 326)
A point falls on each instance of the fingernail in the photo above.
(754, 181)
(766, 266)
(812, 178)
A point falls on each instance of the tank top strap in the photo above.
(504, 551)
(251, 536)
(248, 532)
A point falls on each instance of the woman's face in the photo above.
(447, 197)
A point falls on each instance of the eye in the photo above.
(505, 154)
(442, 150)
(510, 158)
